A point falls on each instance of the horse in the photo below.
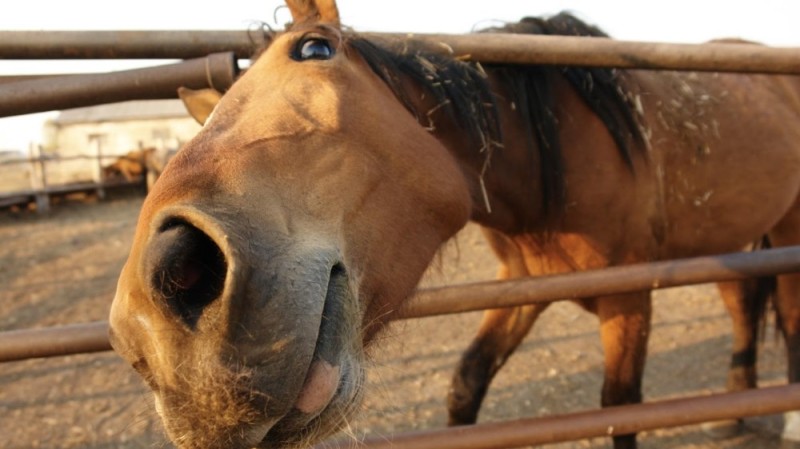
(282, 239)
(131, 167)
(146, 164)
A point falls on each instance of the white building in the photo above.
(76, 138)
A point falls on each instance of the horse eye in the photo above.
(313, 48)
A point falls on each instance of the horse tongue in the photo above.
(319, 388)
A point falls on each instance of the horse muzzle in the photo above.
(248, 336)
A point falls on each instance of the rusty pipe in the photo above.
(44, 94)
(17, 78)
(591, 283)
(509, 293)
(484, 47)
(605, 52)
(152, 44)
(620, 420)
(54, 341)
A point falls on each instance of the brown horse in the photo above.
(280, 240)
(147, 162)
(131, 166)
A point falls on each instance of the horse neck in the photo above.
(493, 146)
(504, 177)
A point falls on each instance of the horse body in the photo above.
(130, 166)
(149, 162)
(706, 163)
(724, 155)
(291, 229)
(706, 169)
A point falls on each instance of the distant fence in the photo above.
(41, 187)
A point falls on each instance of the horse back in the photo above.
(725, 156)
(721, 167)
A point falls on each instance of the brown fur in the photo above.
(147, 163)
(130, 167)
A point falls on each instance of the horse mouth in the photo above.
(331, 386)
(301, 429)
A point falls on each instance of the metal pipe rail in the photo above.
(609, 421)
(30, 343)
(146, 44)
(54, 341)
(590, 283)
(605, 52)
(484, 47)
(44, 94)
(59, 158)
(16, 78)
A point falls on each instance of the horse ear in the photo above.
(323, 11)
(200, 103)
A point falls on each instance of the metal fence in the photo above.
(41, 188)
(24, 95)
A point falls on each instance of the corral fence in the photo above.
(33, 94)
(37, 93)
(41, 189)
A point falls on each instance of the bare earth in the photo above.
(62, 269)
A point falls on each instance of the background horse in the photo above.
(131, 166)
(281, 239)
(149, 162)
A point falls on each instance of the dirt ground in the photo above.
(62, 269)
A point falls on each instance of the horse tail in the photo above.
(760, 293)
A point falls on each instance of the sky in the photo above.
(772, 22)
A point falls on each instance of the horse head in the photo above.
(278, 241)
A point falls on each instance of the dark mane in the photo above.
(463, 91)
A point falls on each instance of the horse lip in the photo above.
(258, 434)
(338, 295)
(329, 346)
(329, 349)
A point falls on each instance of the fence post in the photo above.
(97, 141)
(39, 178)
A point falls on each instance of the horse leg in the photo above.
(743, 300)
(500, 332)
(624, 330)
(788, 307)
(787, 303)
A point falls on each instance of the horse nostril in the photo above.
(186, 269)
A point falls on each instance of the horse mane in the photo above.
(462, 89)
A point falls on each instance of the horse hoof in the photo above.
(723, 429)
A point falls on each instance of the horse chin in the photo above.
(330, 395)
(302, 427)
